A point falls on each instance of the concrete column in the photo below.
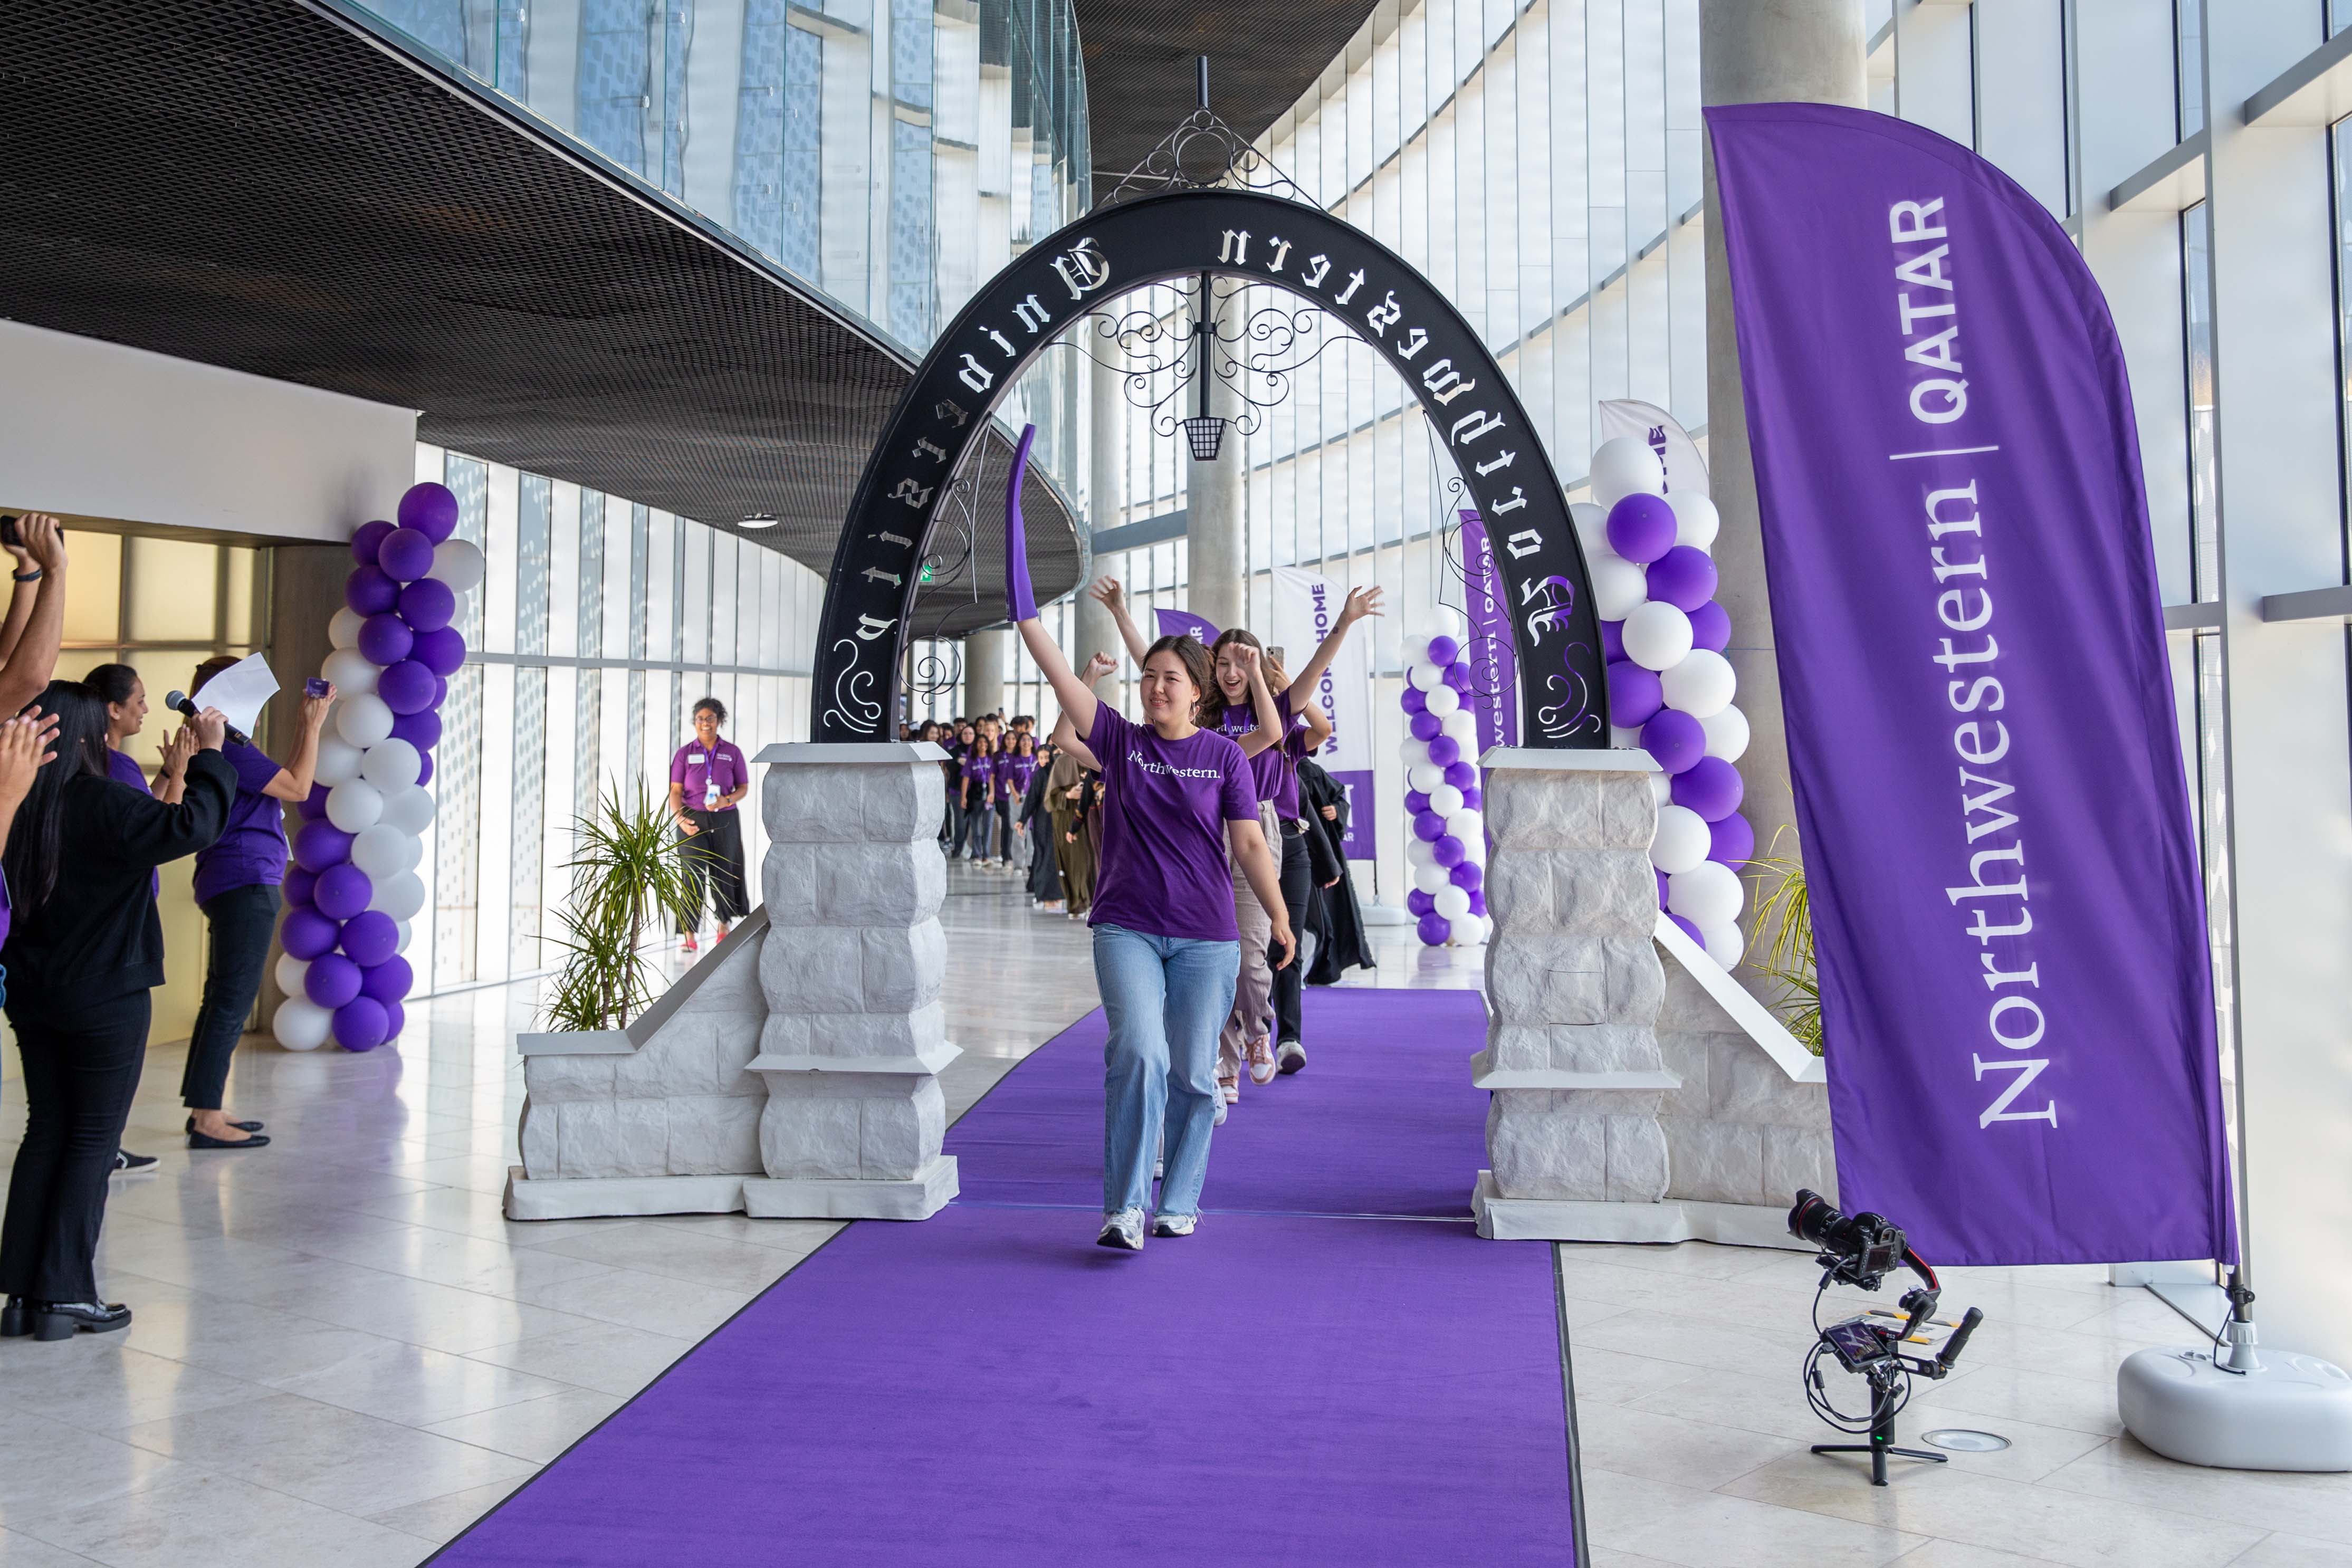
(984, 670)
(1107, 409)
(1759, 51)
(1219, 585)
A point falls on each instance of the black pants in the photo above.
(715, 850)
(79, 1076)
(241, 921)
(1289, 1006)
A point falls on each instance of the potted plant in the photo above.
(628, 884)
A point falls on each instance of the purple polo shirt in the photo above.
(123, 770)
(1165, 805)
(251, 850)
(1275, 767)
(696, 767)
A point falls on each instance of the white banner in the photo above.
(1305, 606)
(1686, 469)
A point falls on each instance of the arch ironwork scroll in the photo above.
(1259, 239)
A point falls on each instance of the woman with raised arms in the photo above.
(1166, 947)
(1266, 1001)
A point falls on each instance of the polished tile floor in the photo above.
(343, 1353)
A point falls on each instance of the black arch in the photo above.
(1563, 692)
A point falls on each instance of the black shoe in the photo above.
(207, 1141)
(15, 1319)
(240, 1126)
(64, 1320)
(124, 1160)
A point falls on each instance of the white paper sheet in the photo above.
(239, 691)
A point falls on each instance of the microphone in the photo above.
(178, 703)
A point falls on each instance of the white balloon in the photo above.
(289, 973)
(412, 850)
(1452, 903)
(1626, 467)
(339, 760)
(1662, 788)
(343, 627)
(1431, 877)
(458, 563)
(1437, 621)
(1683, 839)
(1412, 753)
(1708, 894)
(1723, 943)
(410, 809)
(405, 934)
(1445, 800)
(1462, 724)
(354, 806)
(1726, 734)
(1444, 701)
(1657, 635)
(400, 896)
(353, 671)
(1424, 776)
(1422, 675)
(1696, 520)
(1591, 528)
(1702, 685)
(1619, 588)
(393, 764)
(1418, 852)
(1468, 826)
(363, 719)
(301, 1024)
(381, 850)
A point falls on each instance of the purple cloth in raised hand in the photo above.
(1020, 599)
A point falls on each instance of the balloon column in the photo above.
(1447, 850)
(1670, 688)
(355, 887)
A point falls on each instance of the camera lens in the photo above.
(1813, 1218)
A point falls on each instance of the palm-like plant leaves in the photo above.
(628, 881)
(1784, 919)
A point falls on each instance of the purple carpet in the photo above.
(989, 1387)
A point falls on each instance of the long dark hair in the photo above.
(36, 844)
(1213, 705)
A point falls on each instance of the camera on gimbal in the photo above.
(1860, 1250)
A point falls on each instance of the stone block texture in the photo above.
(1740, 1130)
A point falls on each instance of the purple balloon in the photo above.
(1448, 851)
(369, 937)
(1463, 775)
(1445, 751)
(1415, 700)
(1674, 740)
(1642, 527)
(425, 769)
(307, 933)
(369, 591)
(1711, 626)
(387, 981)
(1468, 875)
(1662, 889)
(1458, 675)
(442, 652)
(1425, 726)
(320, 844)
(1472, 795)
(431, 509)
(427, 604)
(1731, 839)
(1416, 802)
(1612, 640)
(361, 1023)
(1634, 694)
(406, 687)
(1444, 650)
(343, 891)
(1478, 903)
(312, 807)
(385, 638)
(1429, 827)
(440, 690)
(301, 887)
(332, 980)
(1689, 930)
(406, 556)
(1418, 903)
(1435, 929)
(395, 1019)
(1709, 786)
(367, 539)
(1683, 577)
(422, 730)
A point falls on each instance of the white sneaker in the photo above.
(1123, 1229)
(1219, 1120)
(1294, 1057)
(1175, 1224)
(1261, 1061)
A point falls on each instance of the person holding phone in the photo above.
(35, 625)
(707, 776)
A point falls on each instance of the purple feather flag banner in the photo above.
(2016, 990)
(1184, 623)
(1494, 668)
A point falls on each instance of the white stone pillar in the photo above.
(1106, 477)
(1573, 986)
(855, 958)
(1217, 587)
(984, 670)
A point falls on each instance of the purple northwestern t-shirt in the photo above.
(123, 770)
(251, 850)
(1270, 768)
(1165, 806)
(694, 767)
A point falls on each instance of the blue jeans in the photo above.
(1165, 996)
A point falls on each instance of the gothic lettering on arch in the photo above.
(1257, 239)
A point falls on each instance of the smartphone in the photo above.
(10, 535)
(314, 686)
